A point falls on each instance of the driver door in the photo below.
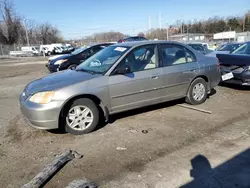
(142, 85)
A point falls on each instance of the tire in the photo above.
(78, 125)
(49, 53)
(195, 99)
(72, 67)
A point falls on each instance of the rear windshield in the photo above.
(197, 47)
(243, 49)
(229, 47)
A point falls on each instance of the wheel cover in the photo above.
(198, 91)
(79, 118)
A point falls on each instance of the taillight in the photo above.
(218, 62)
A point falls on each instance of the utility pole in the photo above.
(181, 28)
(244, 22)
(149, 23)
(27, 35)
(188, 33)
(167, 30)
(160, 20)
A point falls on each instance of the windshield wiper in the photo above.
(88, 71)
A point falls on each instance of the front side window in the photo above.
(142, 58)
(175, 55)
(103, 60)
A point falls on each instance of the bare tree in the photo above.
(10, 24)
(46, 34)
(141, 34)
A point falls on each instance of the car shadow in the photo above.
(230, 174)
(122, 115)
(234, 86)
(212, 92)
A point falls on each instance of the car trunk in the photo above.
(233, 63)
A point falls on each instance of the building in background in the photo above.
(192, 37)
(242, 37)
(232, 36)
(225, 36)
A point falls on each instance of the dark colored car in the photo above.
(230, 47)
(132, 39)
(225, 49)
(235, 67)
(72, 60)
(200, 48)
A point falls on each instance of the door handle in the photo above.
(154, 77)
(189, 71)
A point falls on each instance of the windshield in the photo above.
(79, 50)
(103, 60)
(244, 49)
(229, 47)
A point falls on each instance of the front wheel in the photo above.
(82, 117)
(197, 93)
(72, 67)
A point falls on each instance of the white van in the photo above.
(33, 49)
(46, 49)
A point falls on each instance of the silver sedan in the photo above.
(120, 77)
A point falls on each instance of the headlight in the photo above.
(59, 62)
(249, 67)
(42, 97)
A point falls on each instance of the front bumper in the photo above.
(52, 68)
(44, 116)
(240, 78)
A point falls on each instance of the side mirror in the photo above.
(123, 70)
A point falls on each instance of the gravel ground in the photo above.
(161, 158)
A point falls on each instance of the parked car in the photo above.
(118, 78)
(235, 67)
(71, 61)
(225, 49)
(200, 47)
(132, 39)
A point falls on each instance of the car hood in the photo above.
(213, 54)
(59, 56)
(58, 80)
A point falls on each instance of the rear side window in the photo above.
(96, 49)
(175, 55)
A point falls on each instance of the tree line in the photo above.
(209, 26)
(217, 25)
(14, 29)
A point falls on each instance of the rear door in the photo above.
(142, 86)
(179, 69)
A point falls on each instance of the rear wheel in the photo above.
(197, 92)
(82, 117)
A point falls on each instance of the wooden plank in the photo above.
(50, 170)
(194, 108)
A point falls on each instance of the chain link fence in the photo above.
(5, 49)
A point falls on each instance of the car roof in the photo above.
(139, 43)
